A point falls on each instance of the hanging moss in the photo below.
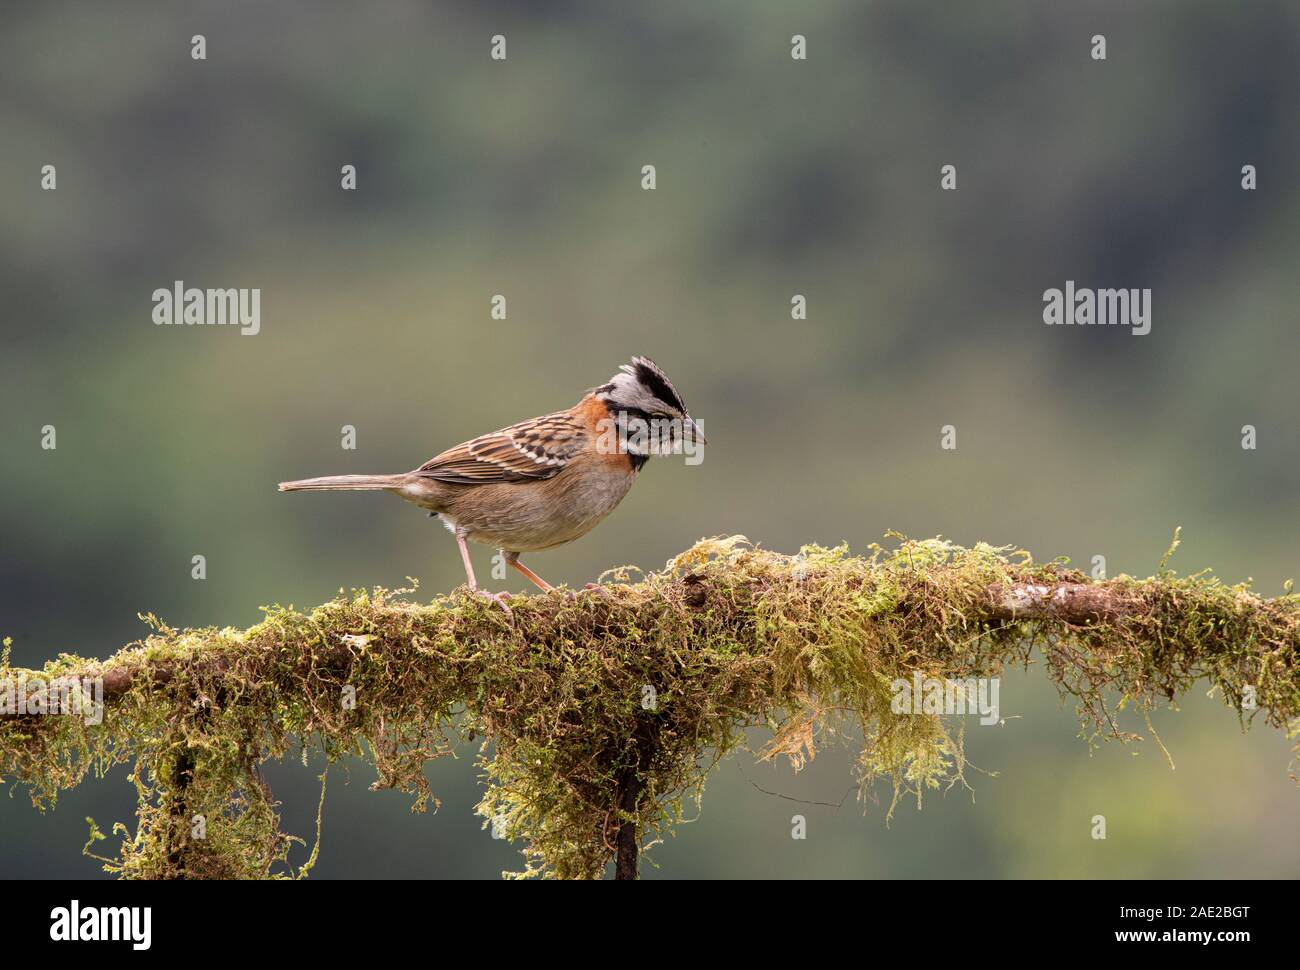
(652, 681)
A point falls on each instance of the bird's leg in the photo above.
(469, 566)
(498, 598)
(513, 559)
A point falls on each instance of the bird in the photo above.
(546, 481)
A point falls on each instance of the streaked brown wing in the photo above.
(532, 449)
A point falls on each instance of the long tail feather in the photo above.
(358, 482)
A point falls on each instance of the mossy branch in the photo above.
(603, 713)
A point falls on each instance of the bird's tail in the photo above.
(359, 482)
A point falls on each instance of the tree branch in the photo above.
(1073, 603)
(725, 638)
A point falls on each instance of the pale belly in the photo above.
(530, 516)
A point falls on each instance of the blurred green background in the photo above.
(775, 177)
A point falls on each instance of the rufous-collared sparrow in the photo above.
(546, 481)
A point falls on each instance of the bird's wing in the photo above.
(533, 449)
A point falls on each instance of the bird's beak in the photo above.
(693, 430)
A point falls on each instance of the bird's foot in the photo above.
(593, 588)
(498, 598)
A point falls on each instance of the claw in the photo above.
(498, 598)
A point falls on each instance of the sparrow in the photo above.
(545, 481)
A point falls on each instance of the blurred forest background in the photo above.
(775, 177)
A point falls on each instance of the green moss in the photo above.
(727, 637)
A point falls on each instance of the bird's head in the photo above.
(641, 395)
